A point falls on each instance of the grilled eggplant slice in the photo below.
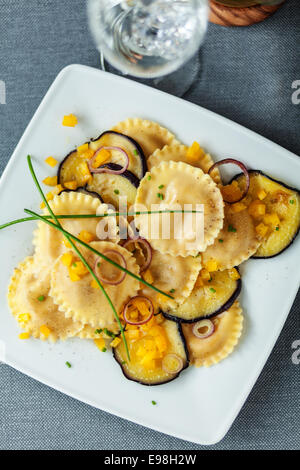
(111, 186)
(70, 169)
(137, 160)
(139, 368)
(209, 300)
(83, 190)
(282, 208)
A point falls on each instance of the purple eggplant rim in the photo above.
(259, 172)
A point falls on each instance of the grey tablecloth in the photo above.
(247, 76)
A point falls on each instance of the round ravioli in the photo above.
(33, 307)
(178, 153)
(235, 243)
(208, 300)
(49, 242)
(83, 302)
(150, 135)
(227, 331)
(177, 186)
(174, 275)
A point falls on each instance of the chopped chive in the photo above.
(123, 362)
(68, 365)
(135, 152)
(161, 186)
(277, 228)
(292, 201)
(103, 349)
(231, 228)
(98, 331)
(212, 289)
(220, 240)
(149, 177)
(74, 265)
(154, 402)
(172, 291)
(116, 191)
(109, 333)
(161, 196)
(197, 255)
(98, 264)
(41, 298)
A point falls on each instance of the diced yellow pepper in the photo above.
(100, 343)
(45, 331)
(239, 207)
(84, 171)
(24, 317)
(194, 152)
(115, 342)
(262, 230)
(70, 120)
(73, 185)
(102, 157)
(148, 276)
(211, 265)
(261, 194)
(204, 273)
(66, 243)
(86, 236)
(57, 190)
(132, 334)
(51, 161)
(24, 335)
(234, 274)
(73, 276)
(50, 181)
(94, 284)
(82, 148)
(67, 259)
(257, 209)
(231, 192)
(79, 268)
(49, 196)
(272, 219)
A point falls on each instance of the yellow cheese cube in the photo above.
(51, 161)
(50, 181)
(73, 185)
(211, 265)
(262, 230)
(70, 121)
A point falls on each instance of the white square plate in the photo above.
(201, 404)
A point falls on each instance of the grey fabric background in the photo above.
(247, 76)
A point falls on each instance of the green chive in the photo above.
(41, 298)
(149, 177)
(103, 349)
(154, 402)
(212, 289)
(109, 333)
(98, 264)
(161, 186)
(172, 291)
(98, 332)
(220, 240)
(123, 362)
(292, 201)
(116, 191)
(68, 365)
(135, 152)
(277, 228)
(74, 264)
(197, 256)
(231, 228)
(160, 195)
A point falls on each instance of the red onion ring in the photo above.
(165, 367)
(147, 247)
(142, 322)
(244, 170)
(202, 324)
(122, 273)
(103, 168)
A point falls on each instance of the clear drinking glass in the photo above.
(150, 39)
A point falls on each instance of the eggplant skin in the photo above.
(222, 309)
(133, 142)
(82, 189)
(141, 382)
(259, 172)
(126, 174)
